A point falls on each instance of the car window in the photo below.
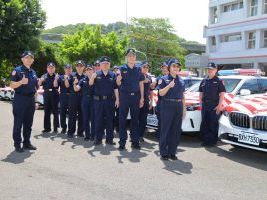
(263, 85)
(252, 85)
(230, 84)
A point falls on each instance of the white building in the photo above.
(237, 33)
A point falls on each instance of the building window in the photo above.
(231, 38)
(251, 40)
(214, 15)
(213, 41)
(265, 39)
(234, 6)
(253, 7)
(265, 7)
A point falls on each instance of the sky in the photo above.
(187, 16)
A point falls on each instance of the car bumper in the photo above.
(229, 134)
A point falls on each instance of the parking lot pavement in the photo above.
(64, 168)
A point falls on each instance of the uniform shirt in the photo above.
(32, 85)
(48, 82)
(87, 90)
(130, 79)
(177, 91)
(61, 84)
(105, 85)
(147, 86)
(71, 81)
(211, 89)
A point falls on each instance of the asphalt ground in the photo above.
(65, 169)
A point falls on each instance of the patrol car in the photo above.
(236, 86)
(7, 93)
(2, 93)
(244, 123)
(40, 97)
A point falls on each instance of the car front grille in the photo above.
(240, 119)
(259, 123)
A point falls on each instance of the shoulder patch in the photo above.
(14, 73)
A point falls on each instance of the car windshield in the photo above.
(229, 83)
(190, 82)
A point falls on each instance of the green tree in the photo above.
(89, 44)
(21, 22)
(156, 38)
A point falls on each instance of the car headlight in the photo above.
(225, 113)
(193, 107)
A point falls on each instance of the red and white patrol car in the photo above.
(40, 97)
(236, 86)
(244, 123)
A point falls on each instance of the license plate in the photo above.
(249, 138)
(152, 120)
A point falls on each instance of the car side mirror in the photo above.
(245, 92)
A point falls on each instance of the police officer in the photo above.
(172, 110)
(87, 103)
(97, 66)
(164, 72)
(131, 86)
(147, 93)
(116, 70)
(63, 83)
(51, 97)
(212, 93)
(105, 97)
(75, 102)
(24, 82)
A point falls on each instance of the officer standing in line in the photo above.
(87, 103)
(116, 70)
(64, 86)
(105, 97)
(164, 72)
(24, 82)
(75, 102)
(51, 97)
(131, 83)
(147, 93)
(171, 89)
(212, 93)
(97, 66)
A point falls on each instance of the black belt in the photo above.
(26, 95)
(173, 100)
(131, 93)
(211, 101)
(65, 93)
(88, 95)
(102, 97)
(79, 94)
(50, 90)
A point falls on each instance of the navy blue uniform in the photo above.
(144, 110)
(87, 108)
(129, 100)
(171, 112)
(211, 88)
(104, 100)
(23, 104)
(64, 102)
(75, 108)
(158, 108)
(51, 100)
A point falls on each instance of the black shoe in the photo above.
(92, 138)
(141, 139)
(164, 158)
(121, 148)
(29, 147)
(173, 157)
(19, 149)
(63, 131)
(97, 142)
(86, 139)
(55, 130)
(136, 146)
(110, 142)
(46, 131)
